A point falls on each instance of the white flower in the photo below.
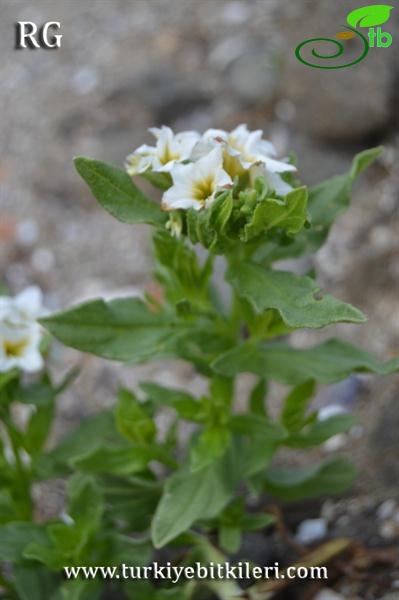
(196, 184)
(20, 333)
(243, 149)
(168, 150)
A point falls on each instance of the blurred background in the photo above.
(128, 65)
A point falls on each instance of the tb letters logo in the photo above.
(29, 35)
(368, 17)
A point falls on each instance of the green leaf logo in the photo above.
(370, 16)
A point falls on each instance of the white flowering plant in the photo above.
(134, 487)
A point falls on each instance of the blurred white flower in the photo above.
(168, 150)
(196, 184)
(20, 333)
(244, 148)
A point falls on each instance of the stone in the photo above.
(387, 509)
(311, 530)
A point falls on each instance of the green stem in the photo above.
(22, 476)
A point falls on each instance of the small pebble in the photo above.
(328, 511)
(335, 443)
(236, 12)
(386, 509)
(311, 530)
(27, 233)
(43, 260)
(389, 530)
(84, 80)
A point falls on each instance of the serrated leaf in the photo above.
(328, 362)
(289, 214)
(370, 16)
(123, 329)
(294, 297)
(330, 477)
(116, 192)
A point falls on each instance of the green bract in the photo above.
(223, 194)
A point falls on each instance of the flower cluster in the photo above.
(202, 166)
(20, 332)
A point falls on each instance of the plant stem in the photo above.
(22, 477)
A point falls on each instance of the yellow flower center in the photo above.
(203, 189)
(168, 155)
(15, 349)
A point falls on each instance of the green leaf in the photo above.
(364, 159)
(79, 590)
(210, 445)
(133, 500)
(116, 192)
(296, 298)
(115, 461)
(256, 426)
(34, 582)
(38, 428)
(85, 501)
(330, 477)
(144, 590)
(121, 548)
(179, 270)
(14, 537)
(289, 214)
(183, 403)
(295, 405)
(123, 329)
(257, 397)
(220, 211)
(370, 16)
(327, 201)
(328, 362)
(90, 434)
(188, 497)
(7, 377)
(39, 393)
(229, 538)
(133, 422)
(320, 431)
(254, 522)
